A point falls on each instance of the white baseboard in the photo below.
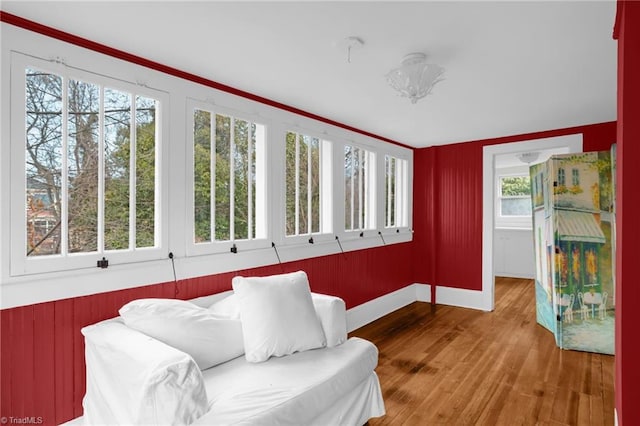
(515, 275)
(460, 297)
(368, 312)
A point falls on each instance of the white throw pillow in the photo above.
(277, 315)
(210, 339)
(331, 312)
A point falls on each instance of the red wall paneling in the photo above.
(627, 380)
(448, 203)
(42, 349)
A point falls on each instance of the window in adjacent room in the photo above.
(359, 188)
(307, 185)
(514, 201)
(228, 178)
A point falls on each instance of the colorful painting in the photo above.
(573, 218)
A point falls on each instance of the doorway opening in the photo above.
(494, 155)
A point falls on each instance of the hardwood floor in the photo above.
(457, 366)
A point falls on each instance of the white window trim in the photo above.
(20, 263)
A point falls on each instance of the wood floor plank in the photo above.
(448, 365)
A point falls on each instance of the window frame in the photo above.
(512, 221)
(172, 260)
(399, 207)
(327, 195)
(20, 263)
(262, 185)
(367, 195)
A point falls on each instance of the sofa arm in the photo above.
(332, 313)
(135, 379)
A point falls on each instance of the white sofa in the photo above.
(133, 378)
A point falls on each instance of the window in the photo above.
(307, 188)
(359, 190)
(91, 151)
(515, 196)
(561, 177)
(228, 178)
(513, 201)
(88, 172)
(396, 189)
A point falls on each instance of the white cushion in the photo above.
(210, 339)
(228, 306)
(277, 315)
(134, 379)
(332, 313)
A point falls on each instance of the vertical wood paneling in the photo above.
(459, 225)
(448, 205)
(44, 366)
(6, 365)
(424, 216)
(627, 205)
(43, 371)
(24, 356)
(63, 355)
(81, 317)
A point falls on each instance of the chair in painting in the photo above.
(602, 309)
(584, 309)
(567, 315)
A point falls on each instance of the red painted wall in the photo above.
(627, 381)
(448, 203)
(42, 350)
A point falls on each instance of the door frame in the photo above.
(573, 142)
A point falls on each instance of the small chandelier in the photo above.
(528, 157)
(415, 78)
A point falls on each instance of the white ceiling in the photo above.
(511, 67)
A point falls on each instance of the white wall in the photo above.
(513, 255)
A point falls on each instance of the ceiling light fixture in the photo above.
(528, 157)
(415, 78)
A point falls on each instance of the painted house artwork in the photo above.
(573, 204)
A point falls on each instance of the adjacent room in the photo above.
(307, 212)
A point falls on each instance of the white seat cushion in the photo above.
(291, 390)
